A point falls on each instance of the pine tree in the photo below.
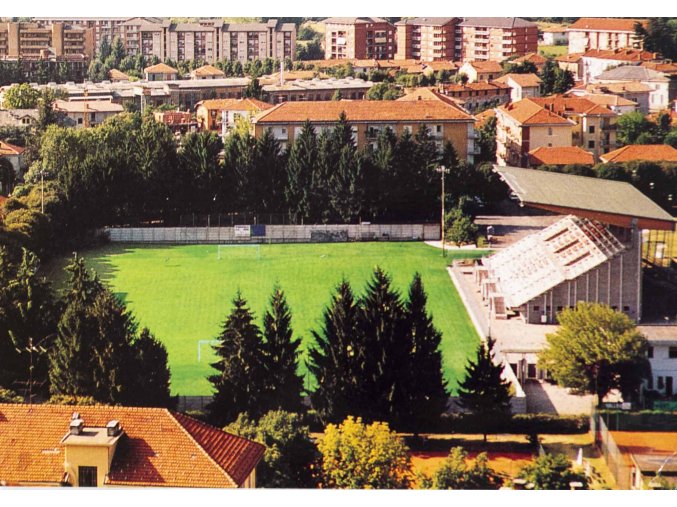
(427, 395)
(150, 378)
(336, 358)
(382, 321)
(280, 355)
(300, 166)
(269, 173)
(484, 392)
(240, 379)
(92, 349)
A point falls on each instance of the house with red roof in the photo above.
(525, 125)
(522, 86)
(444, 121)
(480, 70)
(15, 156)
(560, 156)
(603, 33)
(645, 152)
(107, 446)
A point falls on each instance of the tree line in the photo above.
(83, 345)
(144, 174)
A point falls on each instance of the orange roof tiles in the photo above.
(564, 105)
(161, 68)
(476, 86)
(605, 24)
(486, 66)
(158, 448)
(570, 58)
(527, 112)
(247, 104)
(560, 156)
(10, 149)
(651, 152)
(534, 58)
(624, 54)
(207, 70)
(524, 80)
(481, 118)
(416, 94)
(117, 75)
(362, 110)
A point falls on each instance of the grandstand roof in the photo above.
(563, 251)
(612, 202)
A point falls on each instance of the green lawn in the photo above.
(553, 51)
(183, 293)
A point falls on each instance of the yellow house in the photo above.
(222, 114)
(105, 446)
(525, 125)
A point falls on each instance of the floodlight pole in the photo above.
(442, 170)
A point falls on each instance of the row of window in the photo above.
(672, 352)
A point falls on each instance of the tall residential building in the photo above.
(31, 41)
(209, 40)
(426, 39)
(602, 33)
(108, 28)
(494, 39)
(359, 38)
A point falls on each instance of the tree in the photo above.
(240, 379)
(460, 228)
(280, 356)
(92, 351)
(357, 456)
(151, 372)
(21, 96)
(253, 89)
(487, 141)
(300, 166)
(382, 322)
(336, 357)
(552, 472)
(199, 162)
(7, 176)
(427, 396)
(596, 349)
(455, 473)
(564, 80)
(483, 391)
(9, 396)
(631, 126)
(554, 79)
(290, 453)
(660, 36)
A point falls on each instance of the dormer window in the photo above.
(87, 477)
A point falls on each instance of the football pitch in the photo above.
(184, 293)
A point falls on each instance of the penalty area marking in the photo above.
(204, 342)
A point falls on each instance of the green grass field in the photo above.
(183, 293)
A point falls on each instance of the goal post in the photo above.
(200, 343)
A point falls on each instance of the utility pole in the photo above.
(442, 170)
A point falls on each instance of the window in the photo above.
(591, 144)
(672, 352)
(438, 129)
(591, 129)
(406, 129)
(626, 309)
(537, 308)
(87, 477)
(549, 131)
(79, 121)
(661, 383)
(531, 370)
(649, 352)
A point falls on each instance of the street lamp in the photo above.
(442, 170)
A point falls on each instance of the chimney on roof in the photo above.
(113, 428)
(76, 426)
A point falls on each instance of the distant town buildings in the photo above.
(495, 39)
(426, 39)
(359, 38)
(33, 41)
(602, 33)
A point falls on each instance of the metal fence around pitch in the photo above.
(258, 234)
(612, 454)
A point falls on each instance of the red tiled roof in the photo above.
(534, 58)
(476, 86)
(362, 110)
(524, 80)
(161, 68)
(486, 66)
(158, 448)
(527, 112)
(117, 75)
(651, 152)
(560, 156)
(10, 149)
(605, 24)
(570, 58)
(247, 104)
(624, 54)
(481, 118)
(208, 70)
(416, 94)
(564, 105)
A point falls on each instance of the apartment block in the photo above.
(494, 39)
(426, 39)
(368, 118)
(525, 125)
(32, 41)
(208, 40)
(104, 28)
(359, 38)
(602, 33)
